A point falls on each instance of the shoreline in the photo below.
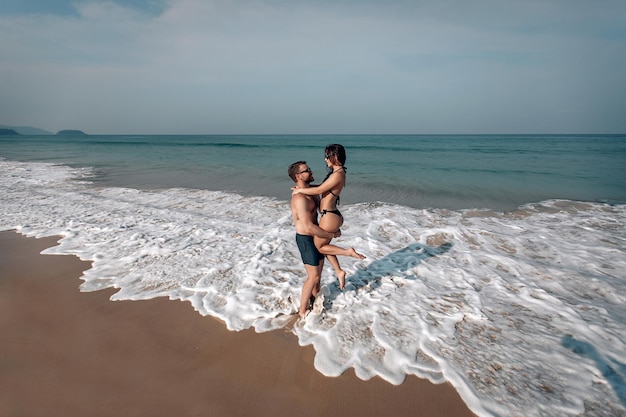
(71, 353)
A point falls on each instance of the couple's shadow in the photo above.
(394, 264)
(611, 369)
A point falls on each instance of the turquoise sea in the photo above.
(420, 171)
(494, 262)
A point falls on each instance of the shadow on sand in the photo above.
(613, 377)
(396, 263)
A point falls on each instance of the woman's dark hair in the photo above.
(338, 150)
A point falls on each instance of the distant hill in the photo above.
(71, 132)
(27, 130)
(7, 132)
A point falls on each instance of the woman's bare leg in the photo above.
(331, 252)
(341, 274)
(328, 249)
(332, 223)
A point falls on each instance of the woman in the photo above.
(331, 218)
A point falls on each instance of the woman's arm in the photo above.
(332, 182)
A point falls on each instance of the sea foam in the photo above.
(522, 312)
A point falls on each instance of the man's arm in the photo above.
(315, 230)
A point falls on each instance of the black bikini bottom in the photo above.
(337, 212)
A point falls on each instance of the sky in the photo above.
(314, 66)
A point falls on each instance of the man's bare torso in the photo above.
(303, 211)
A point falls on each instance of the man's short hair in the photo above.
(294, 169)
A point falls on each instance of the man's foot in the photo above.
(341, 275)
(355, 254)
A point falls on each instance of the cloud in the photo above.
(69, 7)
(191, 66)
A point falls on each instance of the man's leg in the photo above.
(311, 286)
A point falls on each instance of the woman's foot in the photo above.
(355, 254)
(341, 275)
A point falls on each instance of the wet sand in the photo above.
(68, 353)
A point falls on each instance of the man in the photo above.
(304, 213)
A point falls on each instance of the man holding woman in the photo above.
(304, 202)
(304, 214)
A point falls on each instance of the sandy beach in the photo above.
(68, 353)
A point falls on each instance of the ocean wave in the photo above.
(521, 311)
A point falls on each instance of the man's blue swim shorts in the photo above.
(308, 251)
